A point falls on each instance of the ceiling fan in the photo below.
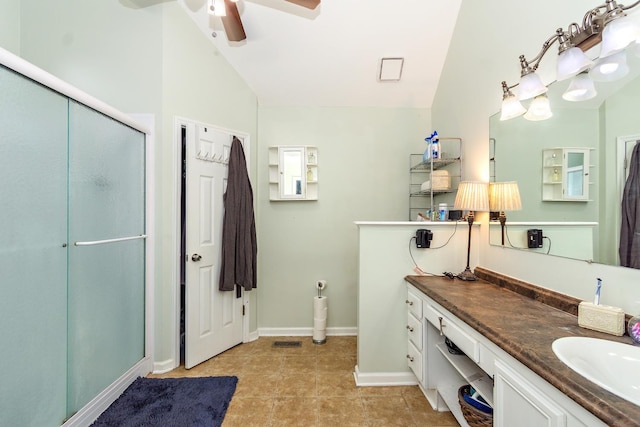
(231, 18)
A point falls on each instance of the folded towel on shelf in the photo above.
(441, 181)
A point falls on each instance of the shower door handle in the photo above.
(196, 257)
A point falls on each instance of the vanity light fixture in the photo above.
(471, 196)
(610, 68)
(511, 107)
(539, 109)
(504, 196)
(581, 88)
(606, 24)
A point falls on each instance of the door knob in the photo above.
(196, 257)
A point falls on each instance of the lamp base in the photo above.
(467, 275)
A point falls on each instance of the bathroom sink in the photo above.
(612, 365)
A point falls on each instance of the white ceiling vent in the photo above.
(390, 69)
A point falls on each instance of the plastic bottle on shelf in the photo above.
(426, 156)
(435, 145)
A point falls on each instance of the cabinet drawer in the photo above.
(414, 330)
(414, 304)
(466, 343)
(414, 361)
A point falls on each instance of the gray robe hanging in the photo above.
(630, 228)
(239, 247)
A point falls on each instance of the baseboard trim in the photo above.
(373, 379)
(92, 410)
(306, 332)
(253, 336)
(164, 366)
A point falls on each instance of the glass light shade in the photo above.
(581, 88)
(617, 35)
(610, 68)
(539, 109)
(530, 86)
(216, 7)
(511, 108)
(504, 196)
(571, 62)
(472, 196)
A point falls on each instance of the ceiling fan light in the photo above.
(610, 68)
(617, 35)
(530, 86)
(511, 108)
(539, 109)
(581, 88)
(572, 62)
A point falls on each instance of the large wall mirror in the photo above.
(608, 126)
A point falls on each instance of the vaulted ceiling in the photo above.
(330, 56)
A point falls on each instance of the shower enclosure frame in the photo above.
(143, 124)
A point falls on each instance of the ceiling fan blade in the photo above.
(309, 4)
(232, 23)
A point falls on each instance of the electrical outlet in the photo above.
(534, 238)
(423, 238)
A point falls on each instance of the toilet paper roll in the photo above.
(319, 319)
(321, 284)
(319, 324)
(319, 304)
(319, 336)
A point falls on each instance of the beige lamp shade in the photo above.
(472, 196)
(504, 196)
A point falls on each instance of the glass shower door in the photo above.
(33, 256)
(106, 277)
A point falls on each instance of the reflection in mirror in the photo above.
(607, 126)
(575, 174)
(292, 184)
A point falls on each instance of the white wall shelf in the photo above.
(293, 173)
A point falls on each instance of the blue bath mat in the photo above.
(169, 402)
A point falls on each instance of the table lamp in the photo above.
(504, 196)
(472, 196)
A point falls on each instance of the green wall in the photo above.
(363, 161)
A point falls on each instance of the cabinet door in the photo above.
(520, 403)
(33, 256)
(576, 174)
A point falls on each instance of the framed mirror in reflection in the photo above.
(605, 129)
(291, 162)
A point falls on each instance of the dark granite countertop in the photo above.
(524, 320)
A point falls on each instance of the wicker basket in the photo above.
(474, 416)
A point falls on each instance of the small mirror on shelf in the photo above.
(291, 176)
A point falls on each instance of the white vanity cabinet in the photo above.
(415, 355)
(518, 396)
(521, 403)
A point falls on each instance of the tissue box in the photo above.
(602, 318)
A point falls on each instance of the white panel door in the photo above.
(213, 319)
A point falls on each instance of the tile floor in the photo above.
(311, 385)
